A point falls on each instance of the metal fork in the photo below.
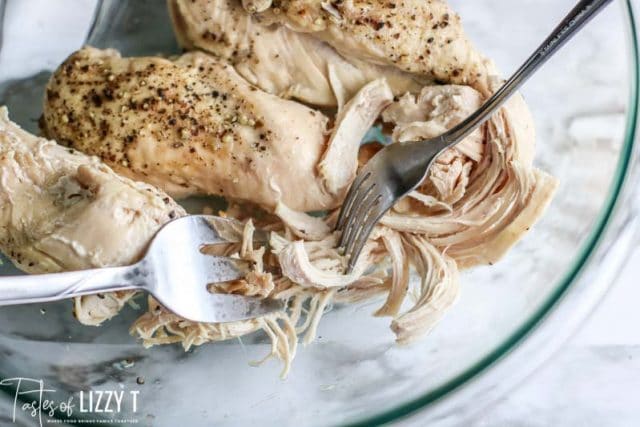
(174, 271)
(399, 168)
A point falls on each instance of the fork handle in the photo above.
(579, 16)
(53, 287)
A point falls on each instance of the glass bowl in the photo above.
(509, 319)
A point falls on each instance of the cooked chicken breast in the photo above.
(418, 36)
(63, 210)
(189, 126)
(276, 59)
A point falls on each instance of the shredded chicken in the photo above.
(158, 326)
(431, 113)
(337, 166)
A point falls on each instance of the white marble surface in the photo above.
(594, 380)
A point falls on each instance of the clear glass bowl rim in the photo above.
(592, 242)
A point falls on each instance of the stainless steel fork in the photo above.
(399, 168)
(174, 271)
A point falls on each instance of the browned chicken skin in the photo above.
(189, 126)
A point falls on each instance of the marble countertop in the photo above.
(593, 381)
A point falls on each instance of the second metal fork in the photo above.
(399, 168)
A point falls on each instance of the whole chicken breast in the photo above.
(276, 59)
(189, 126)
(417, 36)
(63, 210)
(193, 126)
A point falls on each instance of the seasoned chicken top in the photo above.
(194, 126)
(276, 59)
(418, 36)
(189, 126)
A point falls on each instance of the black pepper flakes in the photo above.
(96, 99)
(108, 94)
